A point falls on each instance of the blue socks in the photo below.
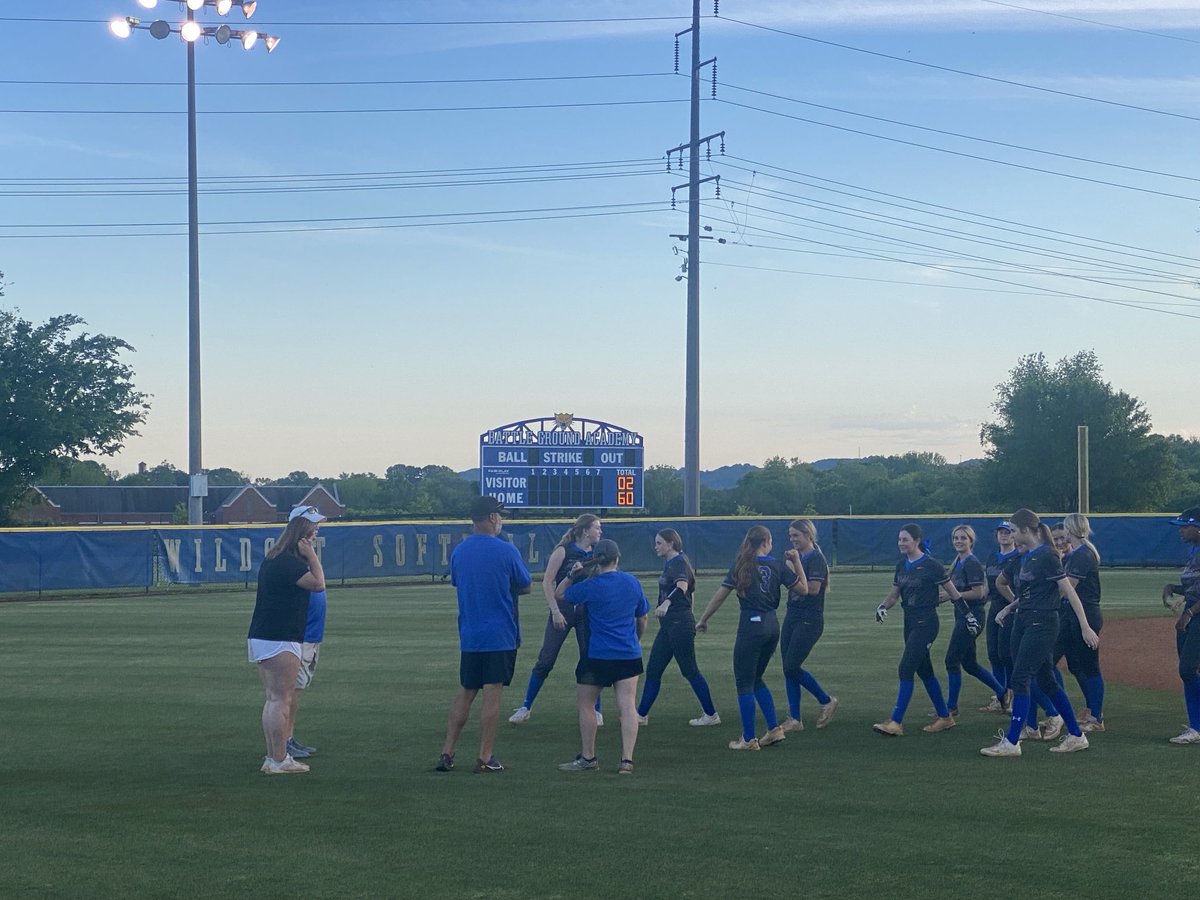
(933, 687)
(767, 703)
(531, 692)
(810, 684)
(1020, 711)
(902, 697)
(1058, 677)
(649, 695)
(1065, 710)
(955, 679)
(1040, 698)
(746, 709)
(1191, 696)
(700, 686)
(1093, 692)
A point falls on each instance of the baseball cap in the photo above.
(606, 551)
(1006, 526)
(1190, 516)
(482, 507)
(308, 512)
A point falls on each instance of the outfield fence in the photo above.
(54, 560)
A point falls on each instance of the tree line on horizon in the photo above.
(65, 396)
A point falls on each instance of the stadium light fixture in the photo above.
(123, 28)
(191, 31)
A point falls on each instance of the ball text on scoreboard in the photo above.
(562, 462)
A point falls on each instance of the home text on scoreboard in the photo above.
(562, 462)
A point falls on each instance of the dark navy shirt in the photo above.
(574, 554)
(676, 569)
(1190, 579)
(815, 569)
(1037, 584)
(918, 581)
(764, 591)
(281, 605)
(965, 574)
(1001, 564)
(1081, 564)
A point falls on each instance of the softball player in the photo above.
(999, 596)
(1040, 584)
(758, 579)
(1082, 565)
(576, 546)
(918, 585)
(968, 576)
(676, 636)
(803, 626)
(1187, 631)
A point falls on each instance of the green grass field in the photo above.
(130, 748)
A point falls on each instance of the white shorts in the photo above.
(308, 664)
(264, 650)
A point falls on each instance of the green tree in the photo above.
(227, 477)
(662, 492)
(163, 474)
(62, 396)
(85, 472)
(1031, 447)
(780, 488)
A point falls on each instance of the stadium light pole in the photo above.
(190, 31)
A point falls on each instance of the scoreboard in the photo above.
(562, 462)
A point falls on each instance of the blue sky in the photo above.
(870, 295)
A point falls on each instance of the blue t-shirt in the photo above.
(815, 569)
(918, 581)
(488, 573)
(314, 630)
(1037, 585)
(614, 602)
(763, 594)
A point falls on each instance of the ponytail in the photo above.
(744, 566)
(1029, 520)
(575, 532)
(1077, 526)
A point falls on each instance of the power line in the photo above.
(959, 153)
(1057, 15)
(337, 112)
(965, 137)
(992, 78)
(922, 203)
(243, 85)
(395, 24)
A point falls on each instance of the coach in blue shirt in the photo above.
(488, 574)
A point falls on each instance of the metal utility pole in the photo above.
(197, 480)
(1084, 475)
(691, 423)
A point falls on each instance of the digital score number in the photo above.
(624, 490)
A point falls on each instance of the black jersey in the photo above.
(1081, 564)
(918, 581)
(815, 569)
(676, 569)
(764, 591)
(1001, 564)
(1037, 583)
(965, 574)
(1190, 579)
(575, 554)
(281, 605)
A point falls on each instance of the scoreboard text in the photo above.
(562, 463)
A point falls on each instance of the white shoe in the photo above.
(520, 714)
(1189, 736)
(706, 719)
(1030, 734)
(827, 711)
(1070, 743)
(643, 720)
(599, 719)
(287, 766)
(1002, 747)
(1053, 728)
(789, 724)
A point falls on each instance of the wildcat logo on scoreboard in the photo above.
(562, 462)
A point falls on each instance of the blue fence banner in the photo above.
(98, 558)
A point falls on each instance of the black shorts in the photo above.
(607, 672)
(489, 667)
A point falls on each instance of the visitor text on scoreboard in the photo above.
(562, 462)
